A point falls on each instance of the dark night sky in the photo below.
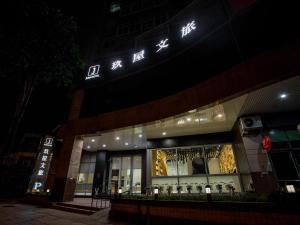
(85, 13)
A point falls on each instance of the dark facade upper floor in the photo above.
(226, 38)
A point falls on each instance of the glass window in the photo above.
(164, 162)
(284, 165)
(194, 184)
(220, 159)
(126, 173)
(166, 184)
(86, 174)
(195, 167)
(224, 184)
(137, 174)
(191, 161)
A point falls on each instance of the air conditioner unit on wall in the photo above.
(250, 125)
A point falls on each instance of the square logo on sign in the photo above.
(93, 72)
(48, 142)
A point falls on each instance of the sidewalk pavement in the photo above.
(22, 214)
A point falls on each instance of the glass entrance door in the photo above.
(126, 173)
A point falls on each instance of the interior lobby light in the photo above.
(140, 135)
(117, 138)
(88, 147)
(164, 133)
(179, 122)
(220, 115)
(189, 119)
(193, 111)
(93, 140)
(104, 145)
(126, 143)
(283, 95)
(197, 120)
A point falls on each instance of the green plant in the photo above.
(189, 188)
(169, 190)
(199, 188)
(179, 189)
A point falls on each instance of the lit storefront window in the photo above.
(190, 169)
(125, 174)
(84, 184)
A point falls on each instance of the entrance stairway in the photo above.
(69, 207)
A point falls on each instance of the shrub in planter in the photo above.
(189, 188)
(179, 189)
(199, 188)
(230, 188)
(160, 189)
(219, 188)
(169, 190)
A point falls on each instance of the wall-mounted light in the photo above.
(155, 193)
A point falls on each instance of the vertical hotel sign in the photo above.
(39, 176)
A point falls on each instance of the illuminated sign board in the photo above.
(138, 56)
(39, 176)
(185, 30)
(162, 44)
(95, 71)
(116, 64)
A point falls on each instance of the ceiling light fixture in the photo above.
(197, 120)
(179, 122)
(93, 140)
(189, 119)
(283, 95)
(220, 115)
(104, 145)
(88, 147)
(164, 133)
(117, 138)
(140, 135)
(193, 111)
(126, 143)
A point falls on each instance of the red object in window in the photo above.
(267, 143)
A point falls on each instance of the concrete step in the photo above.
(77, 206)
(73, 209)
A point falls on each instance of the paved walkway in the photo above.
(23, 214)
(88, 202)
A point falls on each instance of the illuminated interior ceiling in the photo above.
(210, 119)
(217, 118)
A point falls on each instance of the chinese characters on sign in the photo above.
(162, 44)
(94, 71)
(39, 176)
(138, 56)
(188, 28)
(116, 64)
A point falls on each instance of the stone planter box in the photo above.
(186, 212)
(41, 200)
